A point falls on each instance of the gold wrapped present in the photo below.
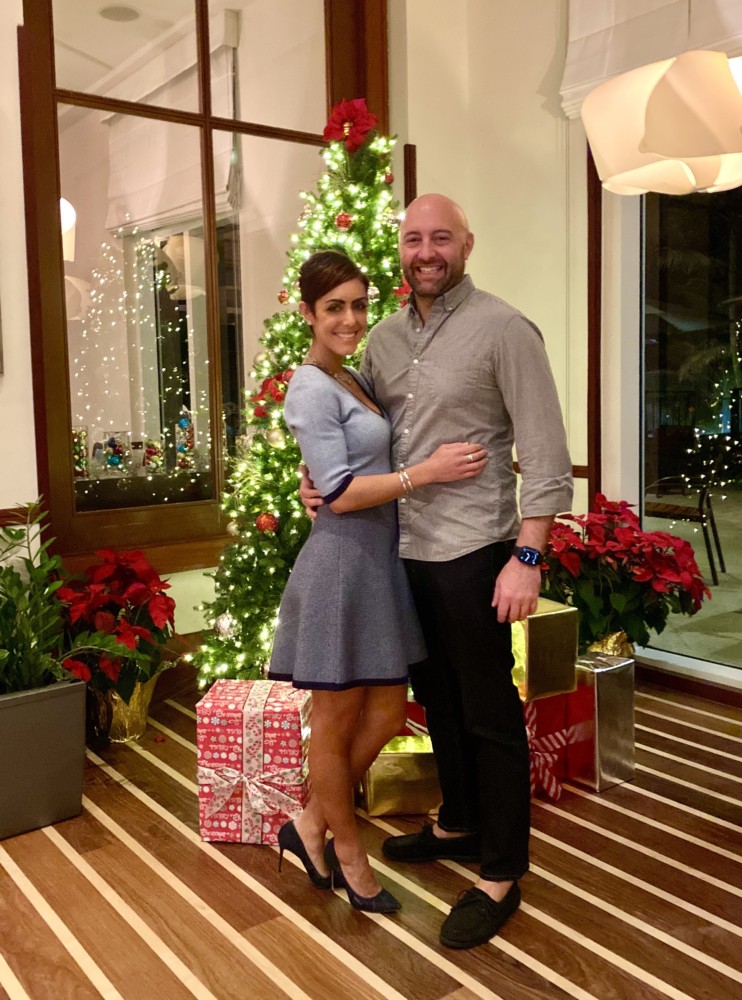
(403, 779)
(545, 650)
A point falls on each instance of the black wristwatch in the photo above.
(527, 555)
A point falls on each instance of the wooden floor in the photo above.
(635, 894)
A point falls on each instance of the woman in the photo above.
(347, 627)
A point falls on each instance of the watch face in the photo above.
(531, 557)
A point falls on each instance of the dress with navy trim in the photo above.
(347, 617)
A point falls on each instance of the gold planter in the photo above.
(614, 644)
(111, 718)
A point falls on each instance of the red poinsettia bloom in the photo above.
(111, 668)
(350, 122)
(128, 634)
(104, 621)
(620, 577)
(122, 598)
(78, 668)
(161, 610)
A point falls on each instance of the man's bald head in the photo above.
(434, 245)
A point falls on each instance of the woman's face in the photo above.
(339, 319)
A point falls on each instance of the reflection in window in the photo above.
(692, 409)
(136, 309)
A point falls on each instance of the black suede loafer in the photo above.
(425, 846)
(475, 918)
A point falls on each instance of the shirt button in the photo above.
(401, 465)
(403, 499)
(410, 395)
(414, 361)
(407, 430)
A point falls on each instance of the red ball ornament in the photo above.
(344, 221)
(266, 522)
(283, 296)
(389, 178)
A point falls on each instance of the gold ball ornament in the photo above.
(276, 438)
(232, 528)
(373, 293)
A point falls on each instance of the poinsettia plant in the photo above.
(620, 578)
(122, 597)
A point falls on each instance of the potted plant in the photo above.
(625, 582)
(42, 741)
(123, 598)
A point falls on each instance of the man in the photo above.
(459, 364)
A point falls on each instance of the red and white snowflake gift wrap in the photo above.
(252, 739)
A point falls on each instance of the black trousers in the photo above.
(472, 707)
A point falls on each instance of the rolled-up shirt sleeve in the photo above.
(313, 416)
(524, 376)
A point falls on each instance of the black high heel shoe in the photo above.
(382, 902)
(289, 840)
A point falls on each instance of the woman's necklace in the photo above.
(343, 377)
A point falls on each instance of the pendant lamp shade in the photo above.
(673, 127)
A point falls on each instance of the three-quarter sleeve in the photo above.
(313, 415)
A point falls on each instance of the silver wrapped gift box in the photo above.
(601, 748)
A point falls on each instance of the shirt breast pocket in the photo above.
(456, 383)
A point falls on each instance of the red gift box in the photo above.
(416, 724)
(547, 729)
(252, 739)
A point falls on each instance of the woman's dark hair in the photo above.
(324, 271)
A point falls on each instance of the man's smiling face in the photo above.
(434, 246)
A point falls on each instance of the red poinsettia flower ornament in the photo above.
(350, 122)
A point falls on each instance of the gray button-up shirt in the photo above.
(476, 371)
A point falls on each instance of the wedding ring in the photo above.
(470, 457)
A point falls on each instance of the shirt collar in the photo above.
(450, 299)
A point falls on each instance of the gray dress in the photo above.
(347, 617)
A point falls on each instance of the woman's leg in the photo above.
(348, 730)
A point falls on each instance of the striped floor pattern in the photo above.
(635, 894)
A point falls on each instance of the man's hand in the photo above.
(308, 495)
(516, 591)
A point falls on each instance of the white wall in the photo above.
(475, 86)
(18, 483)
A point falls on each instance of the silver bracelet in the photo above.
(406, 482)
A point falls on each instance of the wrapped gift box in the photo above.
(416, 724)
(403, 780)
(601, 722)
(545, 649)
(252, 739)
(547, 727)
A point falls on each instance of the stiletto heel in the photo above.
(382, 902)
(289, 840)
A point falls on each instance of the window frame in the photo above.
(194, 538)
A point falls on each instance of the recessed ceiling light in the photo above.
(118, 12)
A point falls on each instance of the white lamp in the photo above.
(673, 127)
(68, 217)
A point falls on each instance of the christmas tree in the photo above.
(353, 210)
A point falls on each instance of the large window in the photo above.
(181, 133)
(692, 411)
